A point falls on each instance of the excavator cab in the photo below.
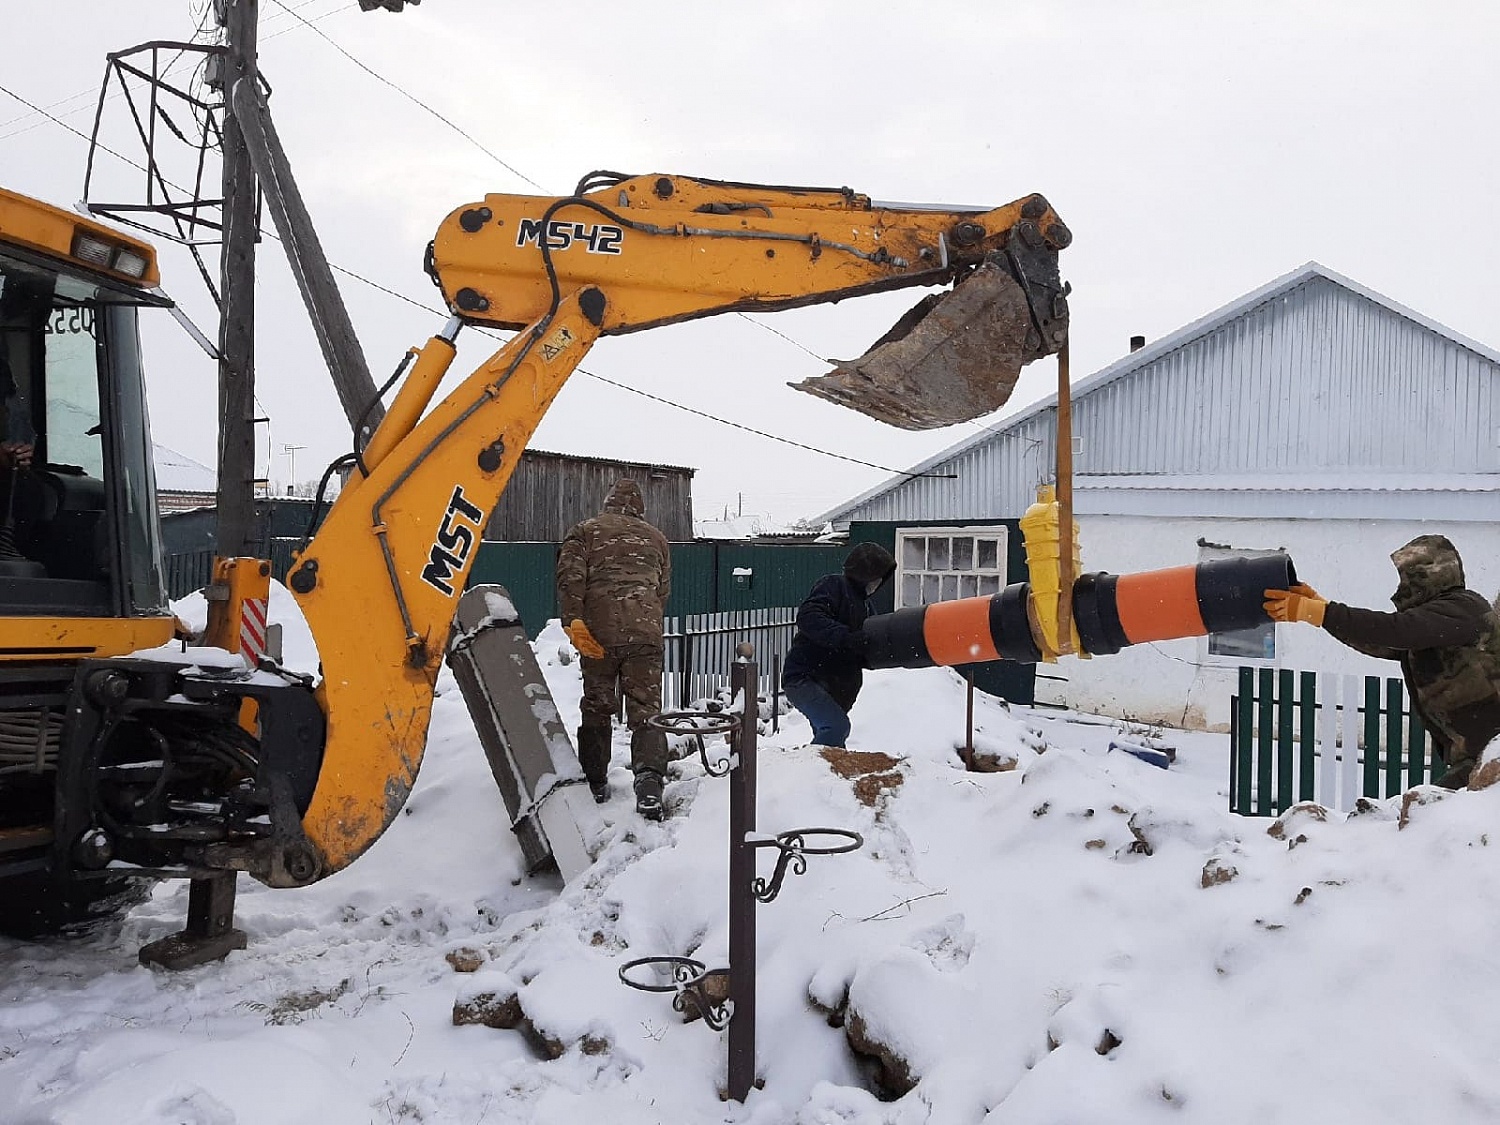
(78, 534)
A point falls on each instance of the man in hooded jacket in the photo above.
(1446, 637)
(614, 573)
(825, 668)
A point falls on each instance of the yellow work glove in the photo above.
(1307, 591)
(1292, 605)
(583, 640)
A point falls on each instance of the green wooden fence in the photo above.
(1305, 736)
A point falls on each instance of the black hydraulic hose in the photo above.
(317, 508)
(602, 177)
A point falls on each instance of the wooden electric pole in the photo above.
(236, 533)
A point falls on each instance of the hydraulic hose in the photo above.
(1110, 612)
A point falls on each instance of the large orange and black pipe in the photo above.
(1110, 612)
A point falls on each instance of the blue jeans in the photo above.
(830, 722)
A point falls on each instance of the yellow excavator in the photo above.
(123, 759)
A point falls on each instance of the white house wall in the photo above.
(1178, 682)
(1317, 376)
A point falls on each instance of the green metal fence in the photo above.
(1306, 736)
(706, 577)
(191, 570)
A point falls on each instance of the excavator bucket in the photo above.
(954, 357)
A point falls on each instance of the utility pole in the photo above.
(236, 534)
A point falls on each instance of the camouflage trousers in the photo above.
(633, 671)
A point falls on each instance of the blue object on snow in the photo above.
(1158, 758)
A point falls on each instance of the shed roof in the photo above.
(609, 461)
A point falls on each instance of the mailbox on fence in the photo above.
(1322, 736)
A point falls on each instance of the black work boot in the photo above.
(648, 787)
(648, 750)
(593, 756)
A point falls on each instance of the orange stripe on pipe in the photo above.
(1159, 605)
(959, 632)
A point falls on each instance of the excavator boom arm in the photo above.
(671, 248)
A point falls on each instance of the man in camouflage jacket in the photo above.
(1446, 637)
(614, 573)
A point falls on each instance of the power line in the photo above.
(657, 398)
(82, 136)
(762, 433)
(508, 166)
(625, 387)
(784, 336)
(413, 99)
(167, 71)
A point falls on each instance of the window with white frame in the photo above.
(941, 564)
(1256, 643)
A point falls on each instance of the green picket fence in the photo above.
(1325, 737)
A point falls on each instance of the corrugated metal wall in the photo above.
(550, 492)
(995, 479)
(1317, 377)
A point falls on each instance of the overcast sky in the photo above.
(1197, 150)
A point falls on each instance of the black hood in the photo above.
(869, 562)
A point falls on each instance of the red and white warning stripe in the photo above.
(253, 630)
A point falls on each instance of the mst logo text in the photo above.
(462, 523)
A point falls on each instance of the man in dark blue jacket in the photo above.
(825, 667)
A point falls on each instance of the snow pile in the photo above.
(1081, 937)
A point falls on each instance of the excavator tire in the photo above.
(35, 905)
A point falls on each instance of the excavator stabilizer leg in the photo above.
(551, 810)
(210, 934)
(956, 356)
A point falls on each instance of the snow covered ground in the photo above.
(1085, 938)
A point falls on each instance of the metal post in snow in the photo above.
(776, 693)
(969, 722)
(742, 900)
